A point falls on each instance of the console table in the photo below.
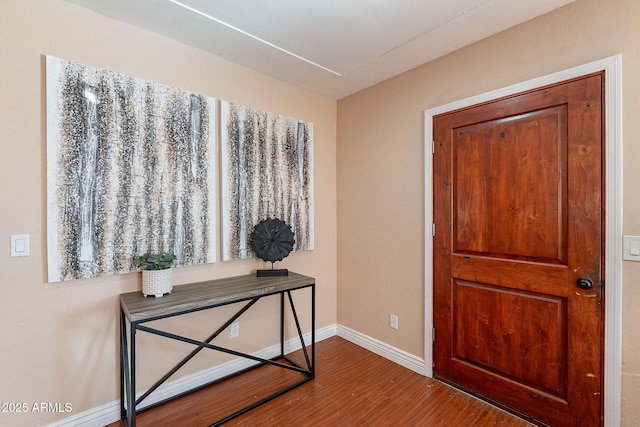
(136, 310)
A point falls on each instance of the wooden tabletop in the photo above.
(211, 293)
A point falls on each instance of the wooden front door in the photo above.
(518, 251)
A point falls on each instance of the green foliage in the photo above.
(150, 261)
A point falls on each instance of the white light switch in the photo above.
(19, 245)
(631, 250)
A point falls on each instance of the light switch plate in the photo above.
(631, 251)
(19, 245)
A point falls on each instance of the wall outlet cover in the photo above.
(235, 329)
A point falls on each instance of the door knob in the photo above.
(585, 283)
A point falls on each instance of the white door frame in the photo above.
(613, 226)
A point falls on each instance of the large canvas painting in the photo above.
(130, 169)
(267, 172)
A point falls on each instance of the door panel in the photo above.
(518, 213)
(490, 334)
(508, 200)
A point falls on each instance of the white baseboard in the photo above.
(380, 348)
(110, 412)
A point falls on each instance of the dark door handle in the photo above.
(585, 283)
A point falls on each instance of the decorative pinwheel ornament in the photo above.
(272, 240)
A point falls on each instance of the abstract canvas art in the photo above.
(267, 172)
(130, 169)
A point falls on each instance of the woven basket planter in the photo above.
(157, 282)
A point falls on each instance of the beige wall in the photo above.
(60, 340)
(381, 171)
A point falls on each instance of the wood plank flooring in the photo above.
(353, 387)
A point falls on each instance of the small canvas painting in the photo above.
(267, 172)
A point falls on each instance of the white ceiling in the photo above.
(332, 47)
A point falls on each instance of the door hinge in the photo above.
(433, 335)
(433, 230)
(433, 147)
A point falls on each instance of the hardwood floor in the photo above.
(353, 387)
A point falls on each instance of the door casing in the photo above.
(613, 211)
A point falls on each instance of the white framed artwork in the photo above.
(130, 169)
(267, 172)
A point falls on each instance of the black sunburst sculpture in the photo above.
(272, 240)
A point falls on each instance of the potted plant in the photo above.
(156, 273)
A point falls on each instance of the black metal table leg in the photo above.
(313, 330)
(131, 410)
(124, 374)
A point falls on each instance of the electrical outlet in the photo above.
(393, 321)
(235, 329)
